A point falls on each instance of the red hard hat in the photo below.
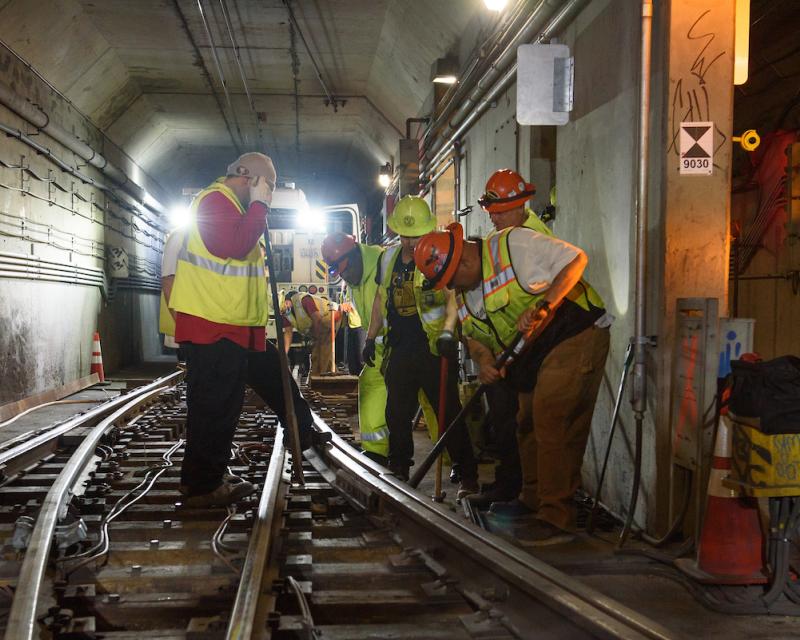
(505, 190)
(336, 250)
(437, 255)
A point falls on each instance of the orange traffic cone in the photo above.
(731, 546)
(97, 358)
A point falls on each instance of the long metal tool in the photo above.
(614, 419)
(518, 345)
(441, 416)
(288, 398)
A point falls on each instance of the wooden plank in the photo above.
(14, 408)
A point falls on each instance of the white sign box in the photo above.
(697, 148)
(544, 84)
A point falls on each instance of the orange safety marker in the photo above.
(731, 546)
(97, 358)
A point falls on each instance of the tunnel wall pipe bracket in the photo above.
(41, 120)
(483, 97)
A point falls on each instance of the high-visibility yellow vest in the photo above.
(504, 298)
(362, 295)
(223, 290)
(299, 317)
(166, 323)
(431, 305)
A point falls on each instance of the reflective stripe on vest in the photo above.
(236, 271)
(476, 329)
(431, 305)
(374, 436)
(226, 291)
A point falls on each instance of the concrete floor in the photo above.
(116, 383)
(637, 582)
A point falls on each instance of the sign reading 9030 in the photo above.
(697, 148)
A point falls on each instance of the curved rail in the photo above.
(22, 623)
(584, 605)
(243, 615)
(13, 456)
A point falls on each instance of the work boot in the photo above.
(489, 495)
(512, 509)
(455, 474)
(540, 533)
(225, 494)
(467, 487)
(399, 470)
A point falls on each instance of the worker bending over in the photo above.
(504, 200)
(311, 317)
(357, 264)
(220, 298)
(520, 280)
(417, 334)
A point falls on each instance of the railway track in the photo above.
(100, 546)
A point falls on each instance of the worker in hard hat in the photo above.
(520, 280)
(220, 299)
(504, 200)
(418, 331)
(311, 316)
(357, 263)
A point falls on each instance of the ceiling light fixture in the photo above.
(495, 5)
(385, 175)
(741, 42)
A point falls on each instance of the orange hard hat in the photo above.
(437, 255)
(505, 190)
(336, 250)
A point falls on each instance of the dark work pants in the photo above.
(503, 408)
(408, 371)
(264, 377)
(215, 381)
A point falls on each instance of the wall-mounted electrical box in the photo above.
(545, 75)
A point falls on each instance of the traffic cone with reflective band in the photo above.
(731, 546)
(97, 358)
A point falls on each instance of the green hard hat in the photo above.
(411, 217)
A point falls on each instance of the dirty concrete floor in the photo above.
(116, 382)
(646, 586)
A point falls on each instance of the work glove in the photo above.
(447, 345)
(368, 354)
(260, 190)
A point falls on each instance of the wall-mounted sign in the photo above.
(697, 148)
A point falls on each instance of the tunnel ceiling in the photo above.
(145, 72)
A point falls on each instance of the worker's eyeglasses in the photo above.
(336, 268)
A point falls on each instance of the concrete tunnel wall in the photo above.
(593, 161)
(46, 327)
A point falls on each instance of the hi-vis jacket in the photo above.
(222, 290)
(431, 305)
(504, 298)
(299, 317)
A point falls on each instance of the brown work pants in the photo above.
(322, 351)
(554, 422)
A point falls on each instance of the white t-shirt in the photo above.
(536, 258)
(169, 265)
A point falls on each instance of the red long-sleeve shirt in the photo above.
(226, 234)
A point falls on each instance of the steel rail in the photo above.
(245, 606)
(9, 455)
(22, 624)
(572, 599)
